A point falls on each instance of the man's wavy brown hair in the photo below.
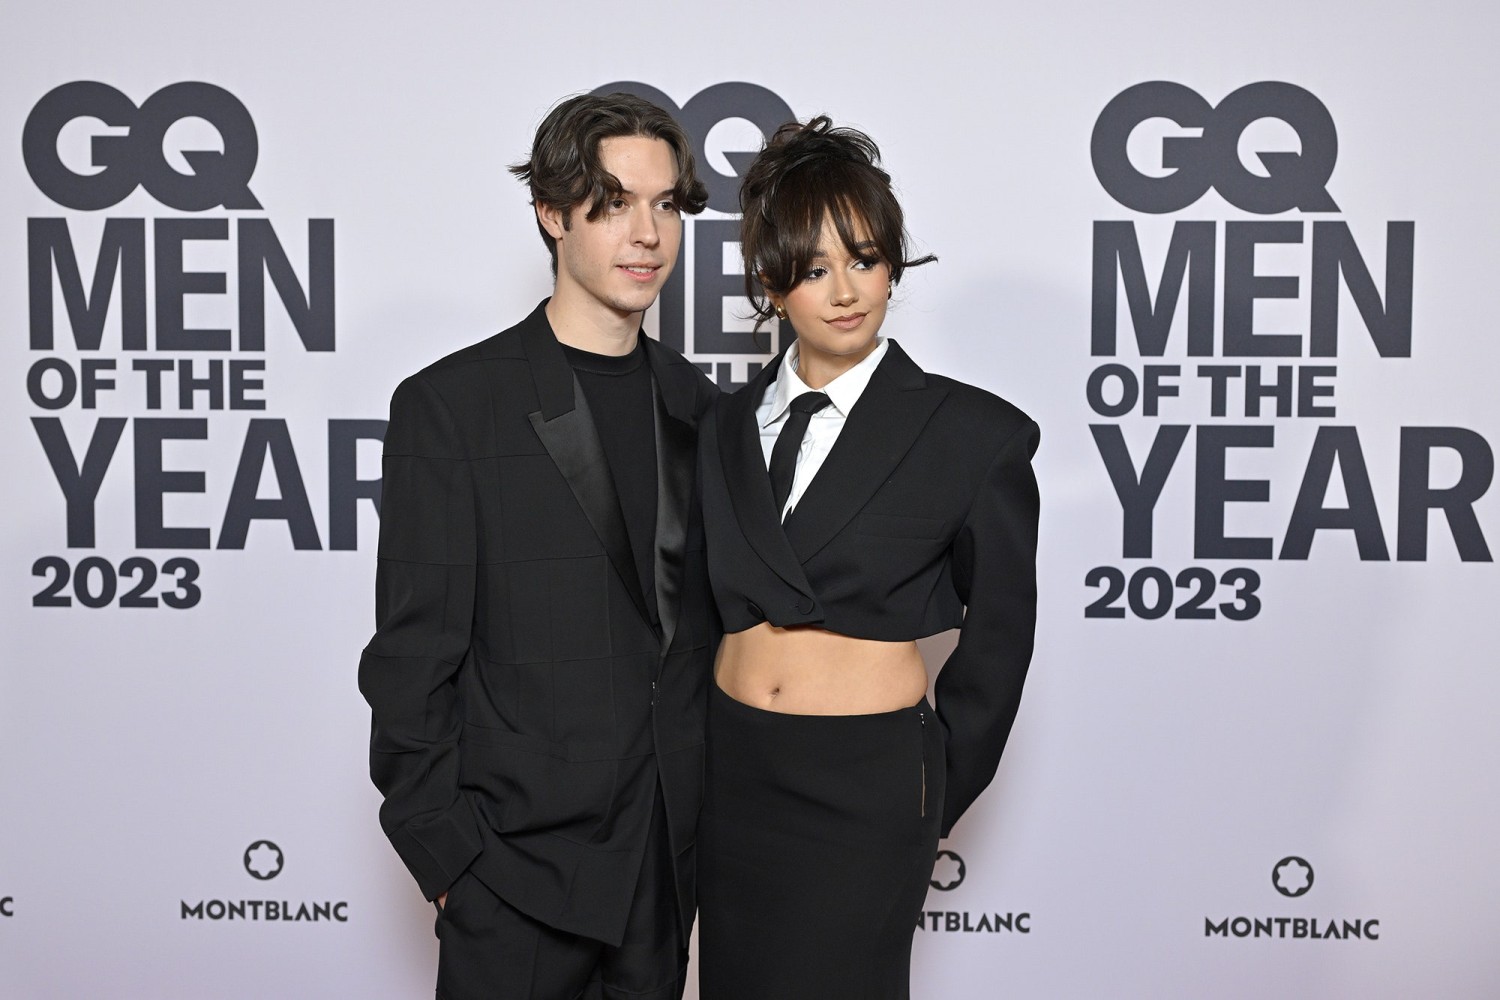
(564, 170)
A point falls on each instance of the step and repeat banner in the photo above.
(1238, 261)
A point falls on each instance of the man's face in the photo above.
(619, 261)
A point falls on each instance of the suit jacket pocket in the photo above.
(898, 526)
(530, 785)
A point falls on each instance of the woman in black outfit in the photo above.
(853, 504)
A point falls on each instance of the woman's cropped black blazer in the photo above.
(922, 519)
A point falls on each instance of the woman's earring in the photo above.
(890, 288)
(780, 310)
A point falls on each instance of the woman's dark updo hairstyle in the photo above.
(804, 174)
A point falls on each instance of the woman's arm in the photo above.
(994, 573)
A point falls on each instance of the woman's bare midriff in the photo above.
(810, 671)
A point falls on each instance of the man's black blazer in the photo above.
(922, 518)
(523, 702)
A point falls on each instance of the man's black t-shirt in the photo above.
(618, 390)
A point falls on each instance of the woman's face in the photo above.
(840, 304)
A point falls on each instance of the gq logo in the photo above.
(135, 157)
(1211, 159)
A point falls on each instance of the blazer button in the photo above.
(756, 612)
(805, 606)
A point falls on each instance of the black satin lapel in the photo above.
(880, 430)
(550, 371)
(750, 484)
(573, 442)
(676, 450)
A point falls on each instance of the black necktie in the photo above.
(789, 442)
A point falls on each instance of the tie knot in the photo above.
(810, 402)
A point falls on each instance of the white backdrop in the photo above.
(1161, 768)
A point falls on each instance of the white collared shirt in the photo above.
(824, 427)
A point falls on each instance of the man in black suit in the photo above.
(544, 638)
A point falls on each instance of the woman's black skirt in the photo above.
(815, 851)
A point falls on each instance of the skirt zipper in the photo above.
(922, 718)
